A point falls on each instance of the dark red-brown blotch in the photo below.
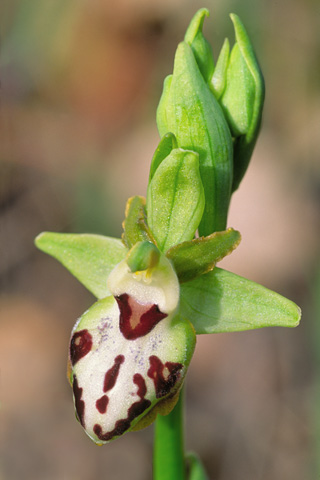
(137, 320)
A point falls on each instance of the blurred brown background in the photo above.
(80, 82)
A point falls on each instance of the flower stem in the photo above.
(168, 459)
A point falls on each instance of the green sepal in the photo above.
(135, 228)
(175, 199)
(188, 109)
(200, 46)
(221, 301)
(242, 99)
(200, 255)
(90, 258)
(196, 469)
(143, 256)
(167, 143)
(218, 80)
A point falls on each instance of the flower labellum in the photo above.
(129, 352)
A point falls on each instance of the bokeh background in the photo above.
(80, 82)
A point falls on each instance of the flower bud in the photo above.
(129, 352)
(175, 198)
(214, 111)
(238, 84)
(191, 112)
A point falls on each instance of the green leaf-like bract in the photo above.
(221, 301)
(90, 258)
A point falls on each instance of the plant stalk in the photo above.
(168, 459)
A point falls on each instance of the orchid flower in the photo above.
(130, 351)
(158, 286)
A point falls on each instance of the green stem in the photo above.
(168, 460)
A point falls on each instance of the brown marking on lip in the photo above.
(164, 376)
(111, 375)
(136, 409)
(110, 379)
(141, 384)
(137, 320)
(79, 403)
(80, 345)
(102, 403)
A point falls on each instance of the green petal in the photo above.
(90, 258)
(135, 228)
(220, 301)
(175, 199)
(198, 256)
